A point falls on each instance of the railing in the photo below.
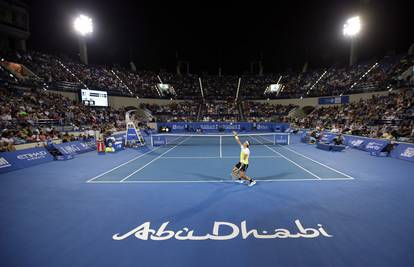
(66, 86)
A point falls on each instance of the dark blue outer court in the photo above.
(50, 216)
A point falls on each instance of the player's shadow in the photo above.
(205, 177)
(215, 197)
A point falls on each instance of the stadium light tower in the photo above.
(83, 26)
(352, 27)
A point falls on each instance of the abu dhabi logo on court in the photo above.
(221, 231)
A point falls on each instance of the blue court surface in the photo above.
(177, 205)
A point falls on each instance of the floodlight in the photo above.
(352, 26)
(83, 25)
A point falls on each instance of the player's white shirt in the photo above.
(245, 151)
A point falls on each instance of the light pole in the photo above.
(352, 27)
(83, 27)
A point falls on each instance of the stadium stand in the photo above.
(221, 111)
(390, 116)
(187, 85)
(219, 87)
(36, 115)
(265, 112)
(181, 111)
(365, 77)
(381, 116)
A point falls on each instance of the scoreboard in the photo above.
(94, 98)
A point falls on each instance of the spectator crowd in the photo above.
(367, 76)
(220, 111)
(35, 115)
(388, 116)
(29, 115)
(176, 111)
(265, 111)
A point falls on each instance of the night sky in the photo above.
(230, 33)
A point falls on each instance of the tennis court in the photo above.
(176, 205)
(211, 159)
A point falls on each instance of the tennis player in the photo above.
(239, 170)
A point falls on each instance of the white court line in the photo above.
(225, 157)
(300, 154)
(221, 152)
(131, 160)
(255, 157)
(215, 181)
(291, 161)
(153, 160)
(301, 179)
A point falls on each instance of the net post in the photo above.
(152, 140)
(288, 141)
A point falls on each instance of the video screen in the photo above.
(94, 98)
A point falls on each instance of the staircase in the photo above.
(71, 73)
(297, 113)
(144, 114)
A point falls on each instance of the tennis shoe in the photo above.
(252, 183)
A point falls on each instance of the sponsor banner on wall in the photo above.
(366, 144)
(76, 147)
(10, 161)
(272, 127)
(362, 143)
(224, 126)
(333, 100)
(327, 137)
(403, 151)
(375, 145)
(355, 142)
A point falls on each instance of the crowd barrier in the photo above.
(403, 151)
(19, 159)
(10, 161)
(76, 147)
(400, 150)
(180, 127)
(358, 142)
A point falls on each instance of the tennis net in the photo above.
(216, 139)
